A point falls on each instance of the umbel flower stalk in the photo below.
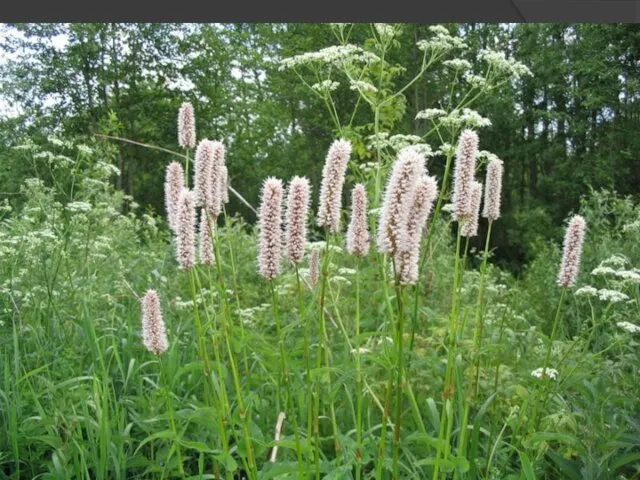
(154, 335)
(186, 226)
(464, 173)
(206, 230)
(333, 174)
(493, 190)
(173, 186)
(408, 253)
(397, 200)
(296, 218)
(186, 127)
(203, 165)
(572, 252)
(270, 227)
(470, 227)
(358, 237)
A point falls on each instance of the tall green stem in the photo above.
(285, 373)
(399, 340)
(452, 343)
(545, 376)
(473, 387)
(358, 379)
(224, 320)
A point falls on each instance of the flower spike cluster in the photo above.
(493, 190)
(216, 179)
(470, 226)
(398, 197)
(296, 218)
(572, 252)
(186, 126)
(203, 165)
(206, 230)
(358, 233)
(186, 230)
(270, 226)
(173, 186)
(154, 335)
(408, 255)
(333, 174)
(465, 166)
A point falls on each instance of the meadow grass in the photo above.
(375, 379)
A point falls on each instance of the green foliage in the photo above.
(80, 397)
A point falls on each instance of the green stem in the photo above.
(358, 378)
(477, 345)
(253, 472)
(545, 377)
(399, 377)
(452, 341)
(285, 373)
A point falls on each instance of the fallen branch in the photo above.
(177, 154)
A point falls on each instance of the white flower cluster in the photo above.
(445, 149)
(629, 327)
(629, 227)
(604, 294)
(456, 118)
(362, 86)
(457, 64)
(336, 55)
(442, 41)
(321, 245)
(552, 373)
(430, 113)
(487, 156)
(368, 166)
(385, 30)
(476, 81)
(325, 86)
(623, 274)
(399, 142)
(503, 64)
(78, 207)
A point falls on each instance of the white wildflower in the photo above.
(503, 64)
(476, 81)
(362, 86)
(612, 296)
(78, 207)
(430, 113)
(552, 373)
(629, 327)
(457, 64)
(325, 86)
(588, 290)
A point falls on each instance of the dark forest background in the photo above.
(571, 127)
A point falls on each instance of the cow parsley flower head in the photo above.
(552, 373)
(629, 327)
